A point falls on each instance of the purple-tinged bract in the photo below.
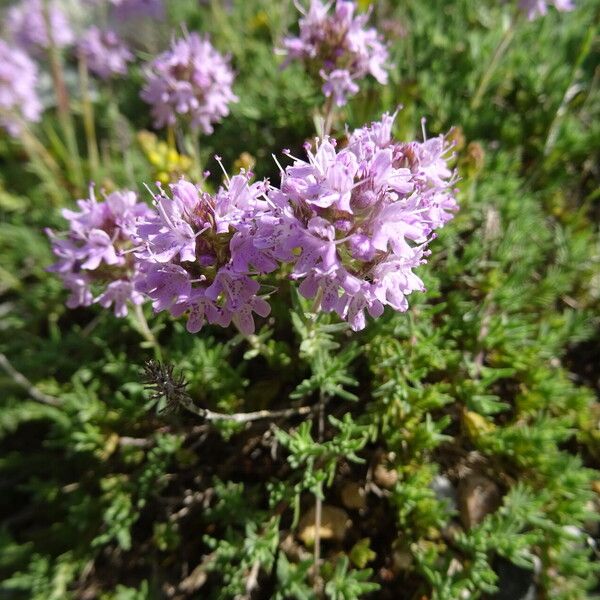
(26, 23)
(191, 80)
(106, 55)
(338, 48)
(95, 260)
(197, 254)
(538, 8)
(356, 222)
(18, 96)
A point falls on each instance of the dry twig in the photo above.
(24, 383)
(164, 383)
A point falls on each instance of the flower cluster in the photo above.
(105, 53)
(191, 80)
(18, 97)
(93, 254)
(26, 23)
(198, 257)
(538, 8)
(356, 222)
(350, 224)
(338, 48)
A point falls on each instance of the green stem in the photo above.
(584, 51)
(193, 143)
(328, 115)
(318, 583)
(171, 138)
(113, 124)
(62, 102)
(501, 49)
(145, 330)
(316, 305)
(89, 123)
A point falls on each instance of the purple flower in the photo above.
(95, 253)
(538, 8)
(168, 285)
(170, 234)
(338, 48)
(105, 53)
(338, 84)
(18, 96)
(191, 80)
(79, 286)
(119, 293)
(27, 25)
(198, 256)
(354, 223)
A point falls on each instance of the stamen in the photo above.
(164, 215)
(134, 249)
(150, 191)
(220, 161)
(287, 153)
(281, 169)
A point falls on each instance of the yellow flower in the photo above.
(244, 161)
(168, 164)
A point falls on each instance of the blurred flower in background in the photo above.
(127, 9)
(18, 96)
(26, 23)
(338, 48)
(190, 80)
(106, 55)
(538, 8)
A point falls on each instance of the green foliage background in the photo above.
(493, 373)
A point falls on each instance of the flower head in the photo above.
(538, 8)
(190, 80)
(93, 254)
(356, 222)
(18, 96)
(338, 48)
(26, 23)
(197, 253)
(105, 53)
